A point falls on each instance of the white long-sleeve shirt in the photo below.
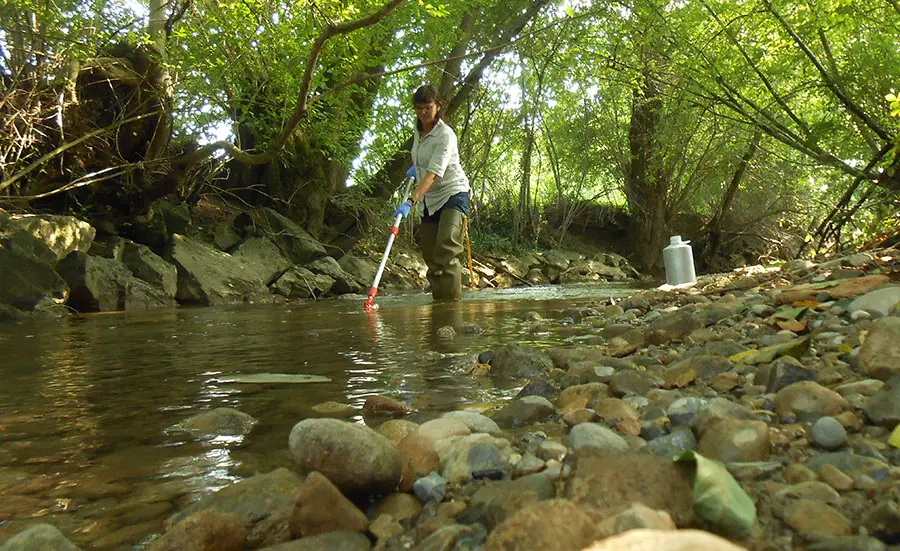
(438, 152)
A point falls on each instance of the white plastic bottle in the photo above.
(679, 261)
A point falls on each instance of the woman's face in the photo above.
(427, 112)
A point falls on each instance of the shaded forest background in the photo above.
(758, 129)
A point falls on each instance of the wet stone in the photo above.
(552, 524)
(537, 387)
(683, 410)
(807, 401)
(475, 421)
(674, 444)
(529, 464)
(783, 372)
(828, 433)
(852, 465)
(833, 476)
(400, 506)
(525, 411)
(795, 473)
(655, 428)
(883, 407)
(657, 482)
(593, 435)
(813, 519)
(813, 489)
(204, 531)
(735, 440)
(625, 383)
(883, 521)
(485, 461)
(430, 488)
(321, 508)
(39, 537)
(578, 416)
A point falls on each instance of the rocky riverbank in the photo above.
(58, 264)
(777, 390)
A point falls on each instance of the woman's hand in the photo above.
(403, 210)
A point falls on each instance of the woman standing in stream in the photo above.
(443, 188)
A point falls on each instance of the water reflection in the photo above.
(88, 401)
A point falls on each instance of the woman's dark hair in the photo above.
(427, 94)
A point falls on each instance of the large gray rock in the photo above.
(149, 266)
(360, 268)
(343, 282)
(40, 537)
(264, 503)
(556, 259)
(596, 436)
(105, 285)
(210, 277)
(734, 440)
(808, 401)
(883, 407)
(782, 373)
(475, 421)
(355, 458)
(61, 234)
(611, 481)
(855, 466)
(294, 241)
(300, 283)
(878, 302)
(204, 531)
(27, 276)
(261, 256)
(675, 325)
(520, 360)
(879, 356)
(524, 411)
(472, 456)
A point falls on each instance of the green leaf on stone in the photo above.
(790, 313)
(274, 378)
(766, 354)
(894, 440)
(720, 503)
(744, 357)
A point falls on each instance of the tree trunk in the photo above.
(646, 186)
(714, 227)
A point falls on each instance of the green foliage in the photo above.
(725, 69)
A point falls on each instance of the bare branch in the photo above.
(65, 147)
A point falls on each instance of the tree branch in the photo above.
(474, 75)
(826, 78)
(65, 147)
(300, 109)
(758, 72)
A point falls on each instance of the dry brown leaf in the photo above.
(792, 325)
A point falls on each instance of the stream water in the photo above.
(87, 404)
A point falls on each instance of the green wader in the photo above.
(442, 243)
